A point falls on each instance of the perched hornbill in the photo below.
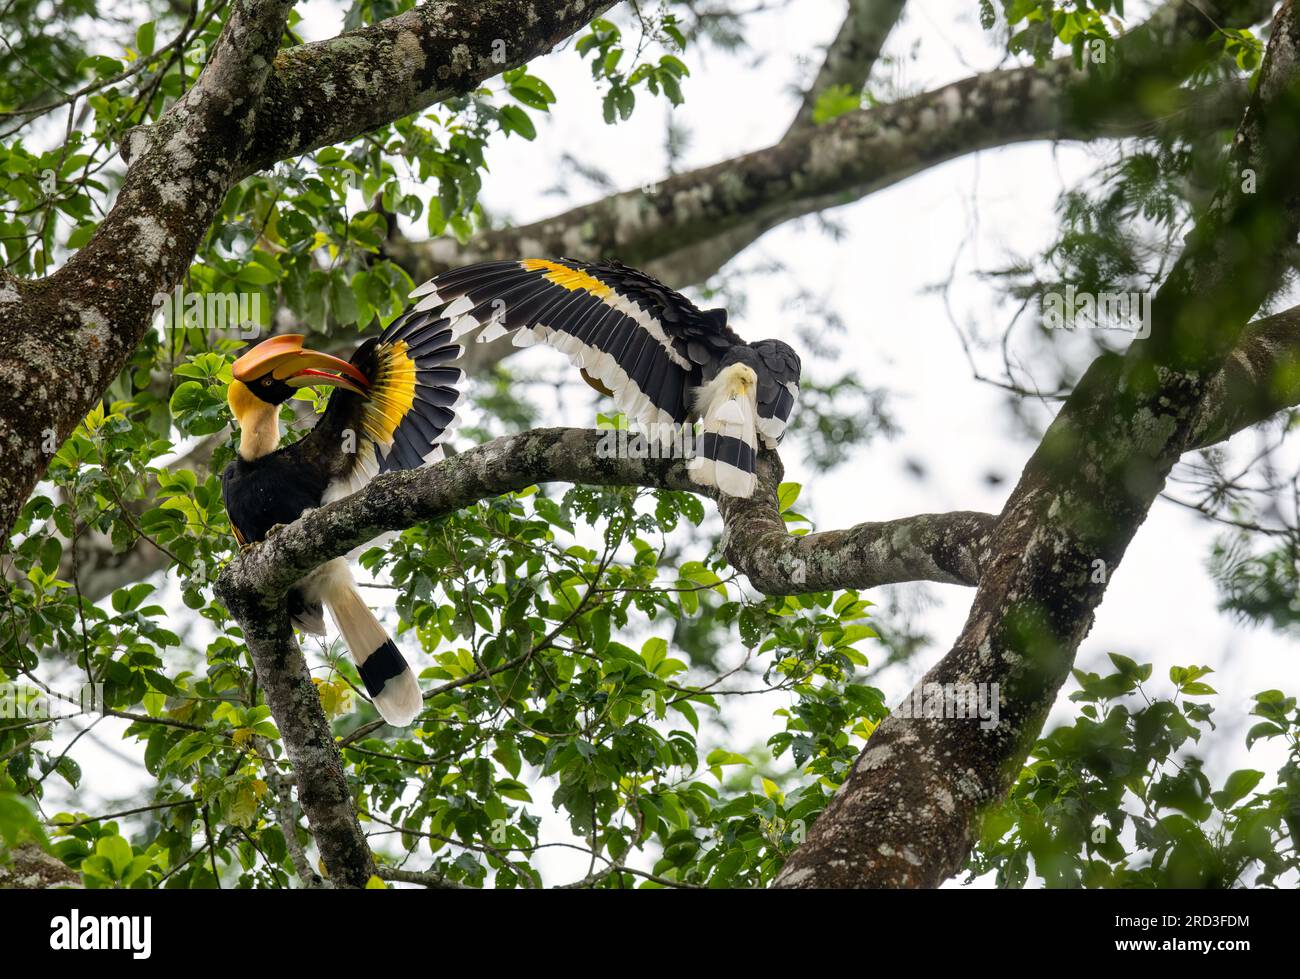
(392, 406)
(664, 361)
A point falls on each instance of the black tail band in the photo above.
(380, 667)
(726, 448)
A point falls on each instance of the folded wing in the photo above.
(778, 389)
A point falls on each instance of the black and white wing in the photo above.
(778, 389)
(404, 417)
(632, 337)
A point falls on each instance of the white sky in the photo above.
(1161, 605)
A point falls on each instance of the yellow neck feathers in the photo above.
(259, 422)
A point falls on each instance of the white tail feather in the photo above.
(398, 700)
(729, 410)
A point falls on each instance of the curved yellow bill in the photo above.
(285, 359)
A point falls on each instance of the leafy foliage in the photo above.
(1259, 584)
(605, 45)
(1118, 798)
(529, 632)
(580, 648)
(1036, 26)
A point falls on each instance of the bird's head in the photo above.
(270, 372)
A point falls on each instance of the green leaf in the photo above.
(516, 120)
(144, 38)
(18, 822)
(787, 494)
(1264, 729)
(117, 852)
(654, 651)
(720, 756)
(674, 65)
(1129, 668)
(532, 92)
(671, 87)
(835, 101)
(600, 630)
(257, 275)
(1239, 784)
(50, 552)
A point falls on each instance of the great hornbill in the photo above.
(664, 361)
(392, 406)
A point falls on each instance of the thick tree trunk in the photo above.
(64, 338)
(906, 813)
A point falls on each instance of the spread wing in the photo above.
(632, 337)
(405, 415)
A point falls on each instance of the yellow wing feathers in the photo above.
(391, 394)
(408, 408)
(566, 277)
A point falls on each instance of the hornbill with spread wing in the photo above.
(664, 361)
(392, 406)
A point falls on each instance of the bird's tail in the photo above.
(387, 676)
(726, 455)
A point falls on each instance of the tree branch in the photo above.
(67, 336)
(1259, 379)
(942, 547)
(425, 878)
(906, 813)
(674, 230)
(323, 789)
(853, 53)
(336, 90)
(933, 547)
